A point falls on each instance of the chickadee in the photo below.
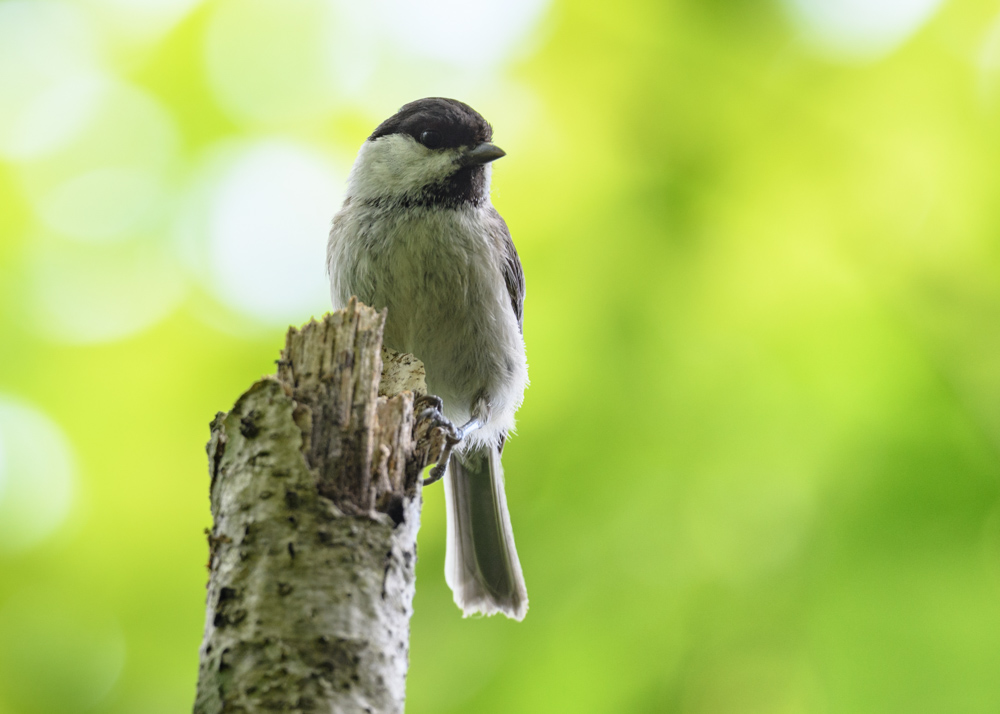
(417, 234)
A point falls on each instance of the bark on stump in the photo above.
(315, 494)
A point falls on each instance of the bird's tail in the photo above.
(481, 565)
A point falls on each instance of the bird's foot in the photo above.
(451, 442)
(438, 431)
(429, 407)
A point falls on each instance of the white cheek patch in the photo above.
(396, 165)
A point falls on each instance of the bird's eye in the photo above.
(431, 139)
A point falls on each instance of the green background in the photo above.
(757, 467)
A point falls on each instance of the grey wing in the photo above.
(513, 275)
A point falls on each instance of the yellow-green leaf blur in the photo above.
(758, 467)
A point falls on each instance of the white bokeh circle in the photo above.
(272, 63)
(268, 61)
(255, 224)
(859, 29)
(50, 76)
(37, 474)
(83, 294)
(112, 180)
(475, 35)
(142, 21)
(267, 231)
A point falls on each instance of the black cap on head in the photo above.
(456, 123)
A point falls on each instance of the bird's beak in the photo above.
(482, 154)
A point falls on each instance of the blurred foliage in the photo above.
(757, 468)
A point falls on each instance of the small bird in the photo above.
(417, 234)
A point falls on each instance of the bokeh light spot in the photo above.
(464, 34)
(48, 70)
(267, 61)
(86, 294)
(267, 224)
(272, 63)
(36, 476)
(989, 62)
(3, 470)
(859, 29)
(142, 20)
(109, 183)
(100, 204)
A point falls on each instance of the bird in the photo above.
(418, 235)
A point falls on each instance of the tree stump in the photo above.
(315, 496)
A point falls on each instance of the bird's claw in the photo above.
(431, 409)
(452, 438)
(437, 473)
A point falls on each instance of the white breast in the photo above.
(438, 272)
